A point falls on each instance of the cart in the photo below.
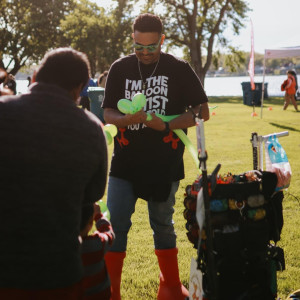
(235, 221)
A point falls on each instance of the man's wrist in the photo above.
(98, 216)
(167, 128)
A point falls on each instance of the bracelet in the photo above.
(167, 129)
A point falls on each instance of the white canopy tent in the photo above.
(277, 53)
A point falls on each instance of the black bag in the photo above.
(245, 218)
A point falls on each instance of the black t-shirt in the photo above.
(142, 154)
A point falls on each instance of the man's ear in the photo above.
(162, 39)
(75, 92)
(81, 87)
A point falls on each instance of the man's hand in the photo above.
(156, 123)
(97, 210)
(138, 117)
(113, 116)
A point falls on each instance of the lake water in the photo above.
(219, 86)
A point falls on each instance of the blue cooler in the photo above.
(96, 96)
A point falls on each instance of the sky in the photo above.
(276, 23)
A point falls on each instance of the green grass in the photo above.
(227, 136)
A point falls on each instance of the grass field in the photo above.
(227, 134)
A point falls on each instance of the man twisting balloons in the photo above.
(147, 161)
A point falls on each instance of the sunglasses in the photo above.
(150, 48)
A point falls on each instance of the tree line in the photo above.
(29, 28)
(272, 66)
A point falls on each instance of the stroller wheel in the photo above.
(294, 295)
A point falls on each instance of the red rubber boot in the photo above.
(114, 265)
(170, 287)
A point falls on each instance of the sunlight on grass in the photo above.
(228, 135)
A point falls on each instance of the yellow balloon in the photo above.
(111, 128)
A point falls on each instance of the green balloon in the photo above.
(125, 106)
(167, 118)
(139, 101)
(130, 107)
(109, 138)
(187, 142)
(163, 117)
(184, 138)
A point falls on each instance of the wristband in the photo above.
(167, 129)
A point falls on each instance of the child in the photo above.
(96, 281)
(289, 86)
(10, 83)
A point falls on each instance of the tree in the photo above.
(121, 29)
(28, 28)
(199, 25)
(85, 29)
(101, 34)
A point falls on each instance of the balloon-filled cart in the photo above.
(234, 221)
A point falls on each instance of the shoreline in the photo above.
(221, 86)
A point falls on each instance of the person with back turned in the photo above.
(53, 161)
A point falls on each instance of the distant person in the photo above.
(84, 99)
(10, 83)
(29, 81)
(53, 161)
(4, 90)
(96, 281)
(293, 72)
(102, 79)
(289, 86)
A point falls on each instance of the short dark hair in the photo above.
(148, 23)
(11, 84)
(87, 212)
(64, 67)
(292, 72)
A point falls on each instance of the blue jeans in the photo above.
(121, 202)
